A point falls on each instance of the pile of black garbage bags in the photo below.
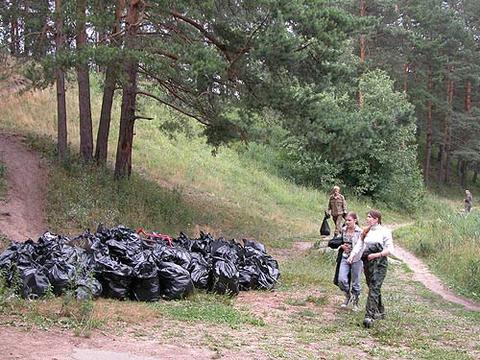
(119, 263)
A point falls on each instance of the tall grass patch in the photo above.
(449, 241)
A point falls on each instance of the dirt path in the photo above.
(58, 344)
(430, 281)
(22, 213)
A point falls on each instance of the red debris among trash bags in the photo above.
(120, 263)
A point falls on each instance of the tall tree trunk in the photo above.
(101, 151)
(428, 130)
(463, 172)
(363, 47)
(14, 31)
(445, 158)
(86, 137)
(468, 109)
(60, 81)
(406, 70)
(468, 97)
(123, 163)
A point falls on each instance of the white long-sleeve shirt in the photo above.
(377, 234)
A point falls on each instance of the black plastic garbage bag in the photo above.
(202, 245)
(269, 273)
(325, 228)
(199, 270)
(175, 281)
(146, 284)
(225, 277)
(60, 274)
(35, 282)
(116, 282)
(248, 277)
(88, 288)
(228, 252)
(176, 255)
(255, 245)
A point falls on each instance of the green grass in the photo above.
(210, 308)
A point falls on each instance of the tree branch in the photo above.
(172, 106)
(137, 117)
(204, 32)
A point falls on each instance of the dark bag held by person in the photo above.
(335, 242)
(325, 228)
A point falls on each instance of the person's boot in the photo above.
(354, 302)
(346, 301)
(368, 322)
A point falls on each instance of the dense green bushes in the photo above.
(371, 150)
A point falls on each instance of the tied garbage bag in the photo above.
(35, 283)
(175, 281)
(325, 228)
(116, 282)
(199, 270)
(248, 277)
(146, 284)
(225, 278)
(88, 288)
(60, 274)
(177, 255)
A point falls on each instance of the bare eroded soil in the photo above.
(22, 212)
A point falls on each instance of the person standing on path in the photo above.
(349, 273)
(468, 201)
(337, 208)
(375, 244)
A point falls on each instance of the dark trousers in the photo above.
(375, 272)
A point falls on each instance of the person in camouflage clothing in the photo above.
(337, 208)
(468, 201)
(375, 245)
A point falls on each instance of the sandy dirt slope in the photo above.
(22, 212)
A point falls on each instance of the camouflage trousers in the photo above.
(338, 220)
(375, 271)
